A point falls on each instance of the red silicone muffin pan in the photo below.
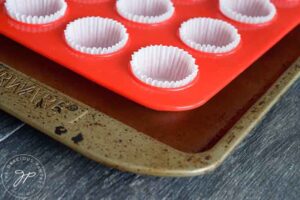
(114, 70)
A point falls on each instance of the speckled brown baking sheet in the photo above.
(124, 135)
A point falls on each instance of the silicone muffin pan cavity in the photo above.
(165, 55)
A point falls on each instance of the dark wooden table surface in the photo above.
(265, 166)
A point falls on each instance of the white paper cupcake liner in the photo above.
(209, 35)
(164, 66)
(248, 11)
(145, 11)
(96, 35)
(36, 11)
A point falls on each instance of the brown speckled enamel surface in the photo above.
(121, 134)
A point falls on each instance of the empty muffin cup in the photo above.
(164, 66)
(96, 35)
(36, 11)
(209, 35)
(145, 11)
(248, 11)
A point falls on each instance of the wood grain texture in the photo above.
(8, 125)
(265, 166)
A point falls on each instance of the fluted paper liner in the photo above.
(96, 35)
(36, 11)
(145, 11)
(209, 35)
(164, 66)
(248, 11)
